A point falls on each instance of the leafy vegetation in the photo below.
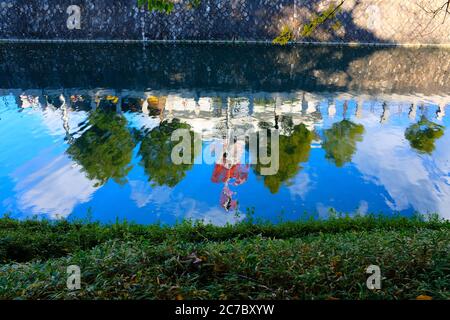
(423, 135)
(321, 18)
(284, 37)
(340, 141)
(165, 6)
(297, 260)
(22, 241)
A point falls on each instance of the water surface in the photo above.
(85, 131)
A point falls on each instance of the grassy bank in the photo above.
(295, 260)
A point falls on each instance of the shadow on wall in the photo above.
(330, 21)
(366, 21)
(263, 20)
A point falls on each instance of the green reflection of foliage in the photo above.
(294, 149)
(340, 141)
(423, 135)
(105, 149)
(156, 150)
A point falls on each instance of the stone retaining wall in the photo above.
(363, 21)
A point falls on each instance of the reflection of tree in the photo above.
(105, 149)
(294, 149)
(423, 135)
(340, 141)
(287, 125)
(156, 150)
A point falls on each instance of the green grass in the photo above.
(292, 260)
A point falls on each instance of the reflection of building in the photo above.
(214, 113)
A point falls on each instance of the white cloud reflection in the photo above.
(412, 180)
(51, 187)
(216, 216)
(180, 206)
(143, 194)
(301, 185)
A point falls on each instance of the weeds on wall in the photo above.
(284, 37)
(165, 6)
(329, 14)
(318, 20)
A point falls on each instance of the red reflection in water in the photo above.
(229, 174)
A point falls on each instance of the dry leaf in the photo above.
(424, 297)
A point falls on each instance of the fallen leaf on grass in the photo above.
(424, 297)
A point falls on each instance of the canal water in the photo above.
(87, 132)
